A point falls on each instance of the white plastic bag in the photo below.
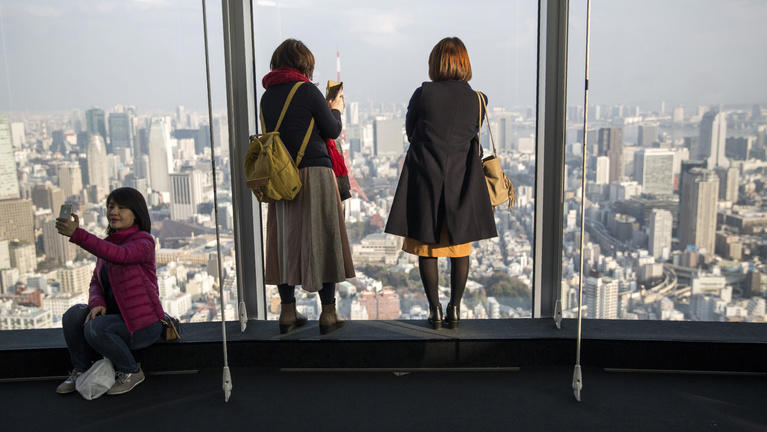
(97, 380)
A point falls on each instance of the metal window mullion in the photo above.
(241, 108)
(550, 153)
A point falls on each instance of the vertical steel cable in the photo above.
(227, 379)
(577, 374)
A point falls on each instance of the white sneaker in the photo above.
(124, 382)
(68, 386)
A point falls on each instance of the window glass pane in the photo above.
(98, 95)
(675, 161)
(382, 51)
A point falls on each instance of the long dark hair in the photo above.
(132, 199)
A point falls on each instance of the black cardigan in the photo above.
(308, 102)
(442, 180)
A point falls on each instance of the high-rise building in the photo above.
(697, 217)
(180, 117)
(654, 170)
(75, 278)
(159, 155)
(48, 196)
(95, 124)
(678, 115)
(76, 120)
(659, 233)
(9, 180)
(603, 170)
(186, 194)
(502, 129)
(202, 141)
(120, 131)
(712, 140)
(611, 145)
(738, 148)
(57, 246)
(354, 113)
(388, 136)
(5, 254)
(98, 172)
(729, 179)
(70, 179)
(17, 220)
(23, 256)
(18, 136)
(647, 135)
(600, 295)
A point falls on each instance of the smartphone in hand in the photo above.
(332, 90)
(65, 212)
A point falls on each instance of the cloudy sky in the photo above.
(149, 53)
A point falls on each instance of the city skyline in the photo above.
(170, 57)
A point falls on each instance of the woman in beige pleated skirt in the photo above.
(306, 242)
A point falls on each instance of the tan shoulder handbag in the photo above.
(498, 185)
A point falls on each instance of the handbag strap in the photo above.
(302, 148)
(487, 116)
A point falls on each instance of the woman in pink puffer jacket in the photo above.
(123, 310)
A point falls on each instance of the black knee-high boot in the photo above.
(427, 266)
(459, 272)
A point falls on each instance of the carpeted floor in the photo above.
(526, 400)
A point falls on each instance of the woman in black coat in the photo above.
(442, 204)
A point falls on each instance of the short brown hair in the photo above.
(449, 60)
(293, 53)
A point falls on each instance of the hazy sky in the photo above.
(149, 53)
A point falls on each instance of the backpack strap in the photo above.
(302, 148)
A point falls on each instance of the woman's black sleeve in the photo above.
(327, 121)
(413, 108)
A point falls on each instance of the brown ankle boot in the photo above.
(329, 320)
(289, 318)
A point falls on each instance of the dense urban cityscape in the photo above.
(674, 215)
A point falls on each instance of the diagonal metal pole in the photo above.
(577, 373)
(227, 378)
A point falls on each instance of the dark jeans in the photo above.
(105, 336)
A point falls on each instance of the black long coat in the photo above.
(442, 181)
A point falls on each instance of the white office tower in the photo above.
(186, 194)
(697, 216)
(654, 170)
(601, 297)
(354, 113)
(70, 179)
(603, 170)
(659, 233)
(712, 140)
(18, 136)
(9, 181)
(388, 137)
(159, 155)
(98, 171)
(76, 277)
(677, 115)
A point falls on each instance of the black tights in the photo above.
(459, 272)
(327, 293)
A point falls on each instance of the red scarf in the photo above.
(283, 75)
(339, 166)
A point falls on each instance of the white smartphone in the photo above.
(65, 212)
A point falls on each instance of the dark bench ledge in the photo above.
(695, 346)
